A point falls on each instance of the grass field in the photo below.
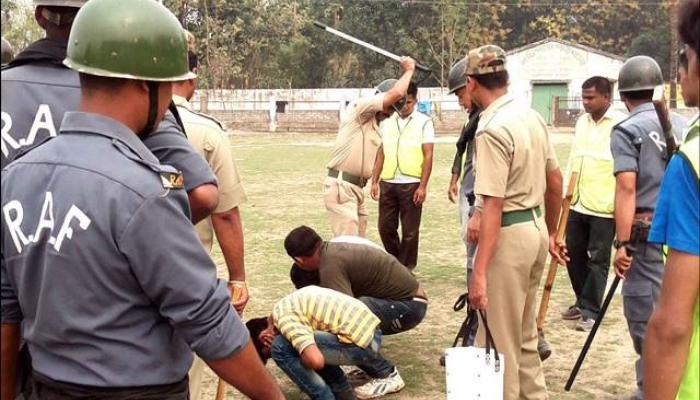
(283, 175)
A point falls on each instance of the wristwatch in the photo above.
(620, 243)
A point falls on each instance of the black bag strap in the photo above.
(490, 343)
(469, 326)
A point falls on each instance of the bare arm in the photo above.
(671, 327)
(244, 371)
(420, 194)
(552, 203)
(203, 201)
(399, 90)
(376, 172)
(490, 229)
(453, 189)
(552, 200)
(10, 349)
(625, 204)
(312, 358)
(229, 232)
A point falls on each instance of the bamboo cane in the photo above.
(561, 232)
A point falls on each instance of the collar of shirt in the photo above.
(182, 102)
(642, 108)
(607, 115)
(498, 103)
(95, 124)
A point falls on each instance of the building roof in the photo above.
(565, 43)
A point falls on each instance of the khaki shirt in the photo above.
(358, 138)
(513, 154)
(208, 138)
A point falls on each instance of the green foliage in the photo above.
(18, 24)
(272, 43)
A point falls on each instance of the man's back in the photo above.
(519, 146)
(314, 308)
(364, 270)
(35, 95)
(638, 145)
(37, 90)
(98, 305)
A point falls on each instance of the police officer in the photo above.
(37, 89)
(516, 174)
(354, 152)
(638, 147)
(457, 82)
(209, 139)
(98, 266)
(7, 52)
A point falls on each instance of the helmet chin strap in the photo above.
(152, 108)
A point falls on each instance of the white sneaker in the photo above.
(380, 386)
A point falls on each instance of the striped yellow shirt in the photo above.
(313, 308)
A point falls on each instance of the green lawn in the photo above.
(283, 176)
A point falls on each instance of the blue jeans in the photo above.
(321, 384)
(396, 315)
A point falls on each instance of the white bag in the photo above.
(471, 372)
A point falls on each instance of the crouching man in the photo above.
(312, 332)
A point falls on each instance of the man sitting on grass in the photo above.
(313, 331)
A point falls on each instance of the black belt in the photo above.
(347, 177)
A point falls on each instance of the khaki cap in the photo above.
(478, 60)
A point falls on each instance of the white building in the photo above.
(541, 71)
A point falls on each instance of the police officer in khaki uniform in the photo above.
(209, 139)
(354, 152)
(516, 174)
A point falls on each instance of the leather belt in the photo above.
(520, 216)
(347, 177)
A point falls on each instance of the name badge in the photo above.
(172, 180)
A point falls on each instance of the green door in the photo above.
(543, 96)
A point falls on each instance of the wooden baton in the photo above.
(561, 232)
(236, 293)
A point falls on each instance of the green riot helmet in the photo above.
(131, 39)
(640, 73)
(7, 53)
(457, 78)
(385, 86)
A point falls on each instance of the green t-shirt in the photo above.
(690, 385)
(363, 270)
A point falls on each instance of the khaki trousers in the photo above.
(196, 375)
(513, 277)
(345, 204)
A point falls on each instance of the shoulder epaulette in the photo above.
(208, 117)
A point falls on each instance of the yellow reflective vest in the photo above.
(594, 193)
(403, 147)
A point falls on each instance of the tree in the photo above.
(18, 24)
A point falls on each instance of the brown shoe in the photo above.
(571, 314)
